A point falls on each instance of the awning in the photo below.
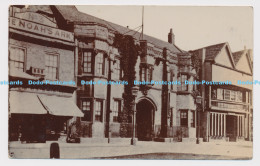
(25, 103)
(60, 106)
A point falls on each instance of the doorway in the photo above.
(231, 127)
(145, 120)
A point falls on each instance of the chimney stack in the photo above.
(171, 37)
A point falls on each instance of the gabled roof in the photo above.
(237, 55)
(211, 51)
(71, 14)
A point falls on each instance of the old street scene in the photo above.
(84, 87)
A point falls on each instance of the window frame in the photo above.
(24, 57)
(100, 64)
(49, 66)
(100, 119)
(85, 111)
(116, 112)
(225, 95)
(193, 121)
(184, 120)
(87, 54)
(146, 72)
(172, 78)
(183, 86)
(117, 69)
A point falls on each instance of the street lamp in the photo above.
(134, 91)
(199, 103)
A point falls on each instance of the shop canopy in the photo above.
(25, 103)
(60, 106)
(32, 103)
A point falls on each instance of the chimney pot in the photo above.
(171, 37)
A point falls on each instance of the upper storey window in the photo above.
(100, 64)
(51, 66)
(16, 57)
(182, 79)
(117, 70)
(87, 62)
(146, 73)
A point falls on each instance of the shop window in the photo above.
(116, 110)
(100, 64)
(51, 66)
(86, 109)
(192, 120)
(184, 118)
(87, 62)
(16, 57)
(98, 110)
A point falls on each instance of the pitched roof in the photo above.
(211, 51)
(70, 13)
(237, 55)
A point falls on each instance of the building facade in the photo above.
(227, 112)
(39, 52)
(159, 107)
(59, 43)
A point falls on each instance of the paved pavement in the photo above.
(146, 150)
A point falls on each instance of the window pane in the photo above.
(227, 94)
(51, 66)
(233, 95)
(220, 94)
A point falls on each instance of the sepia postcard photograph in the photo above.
(130, 82)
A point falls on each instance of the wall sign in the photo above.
(40, 29)
(91, 31)
(36, 17)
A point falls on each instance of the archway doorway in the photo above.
(145, 120)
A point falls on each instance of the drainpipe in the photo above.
(108, 98)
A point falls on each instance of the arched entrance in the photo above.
(145, 120)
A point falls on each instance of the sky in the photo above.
(194, 27)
